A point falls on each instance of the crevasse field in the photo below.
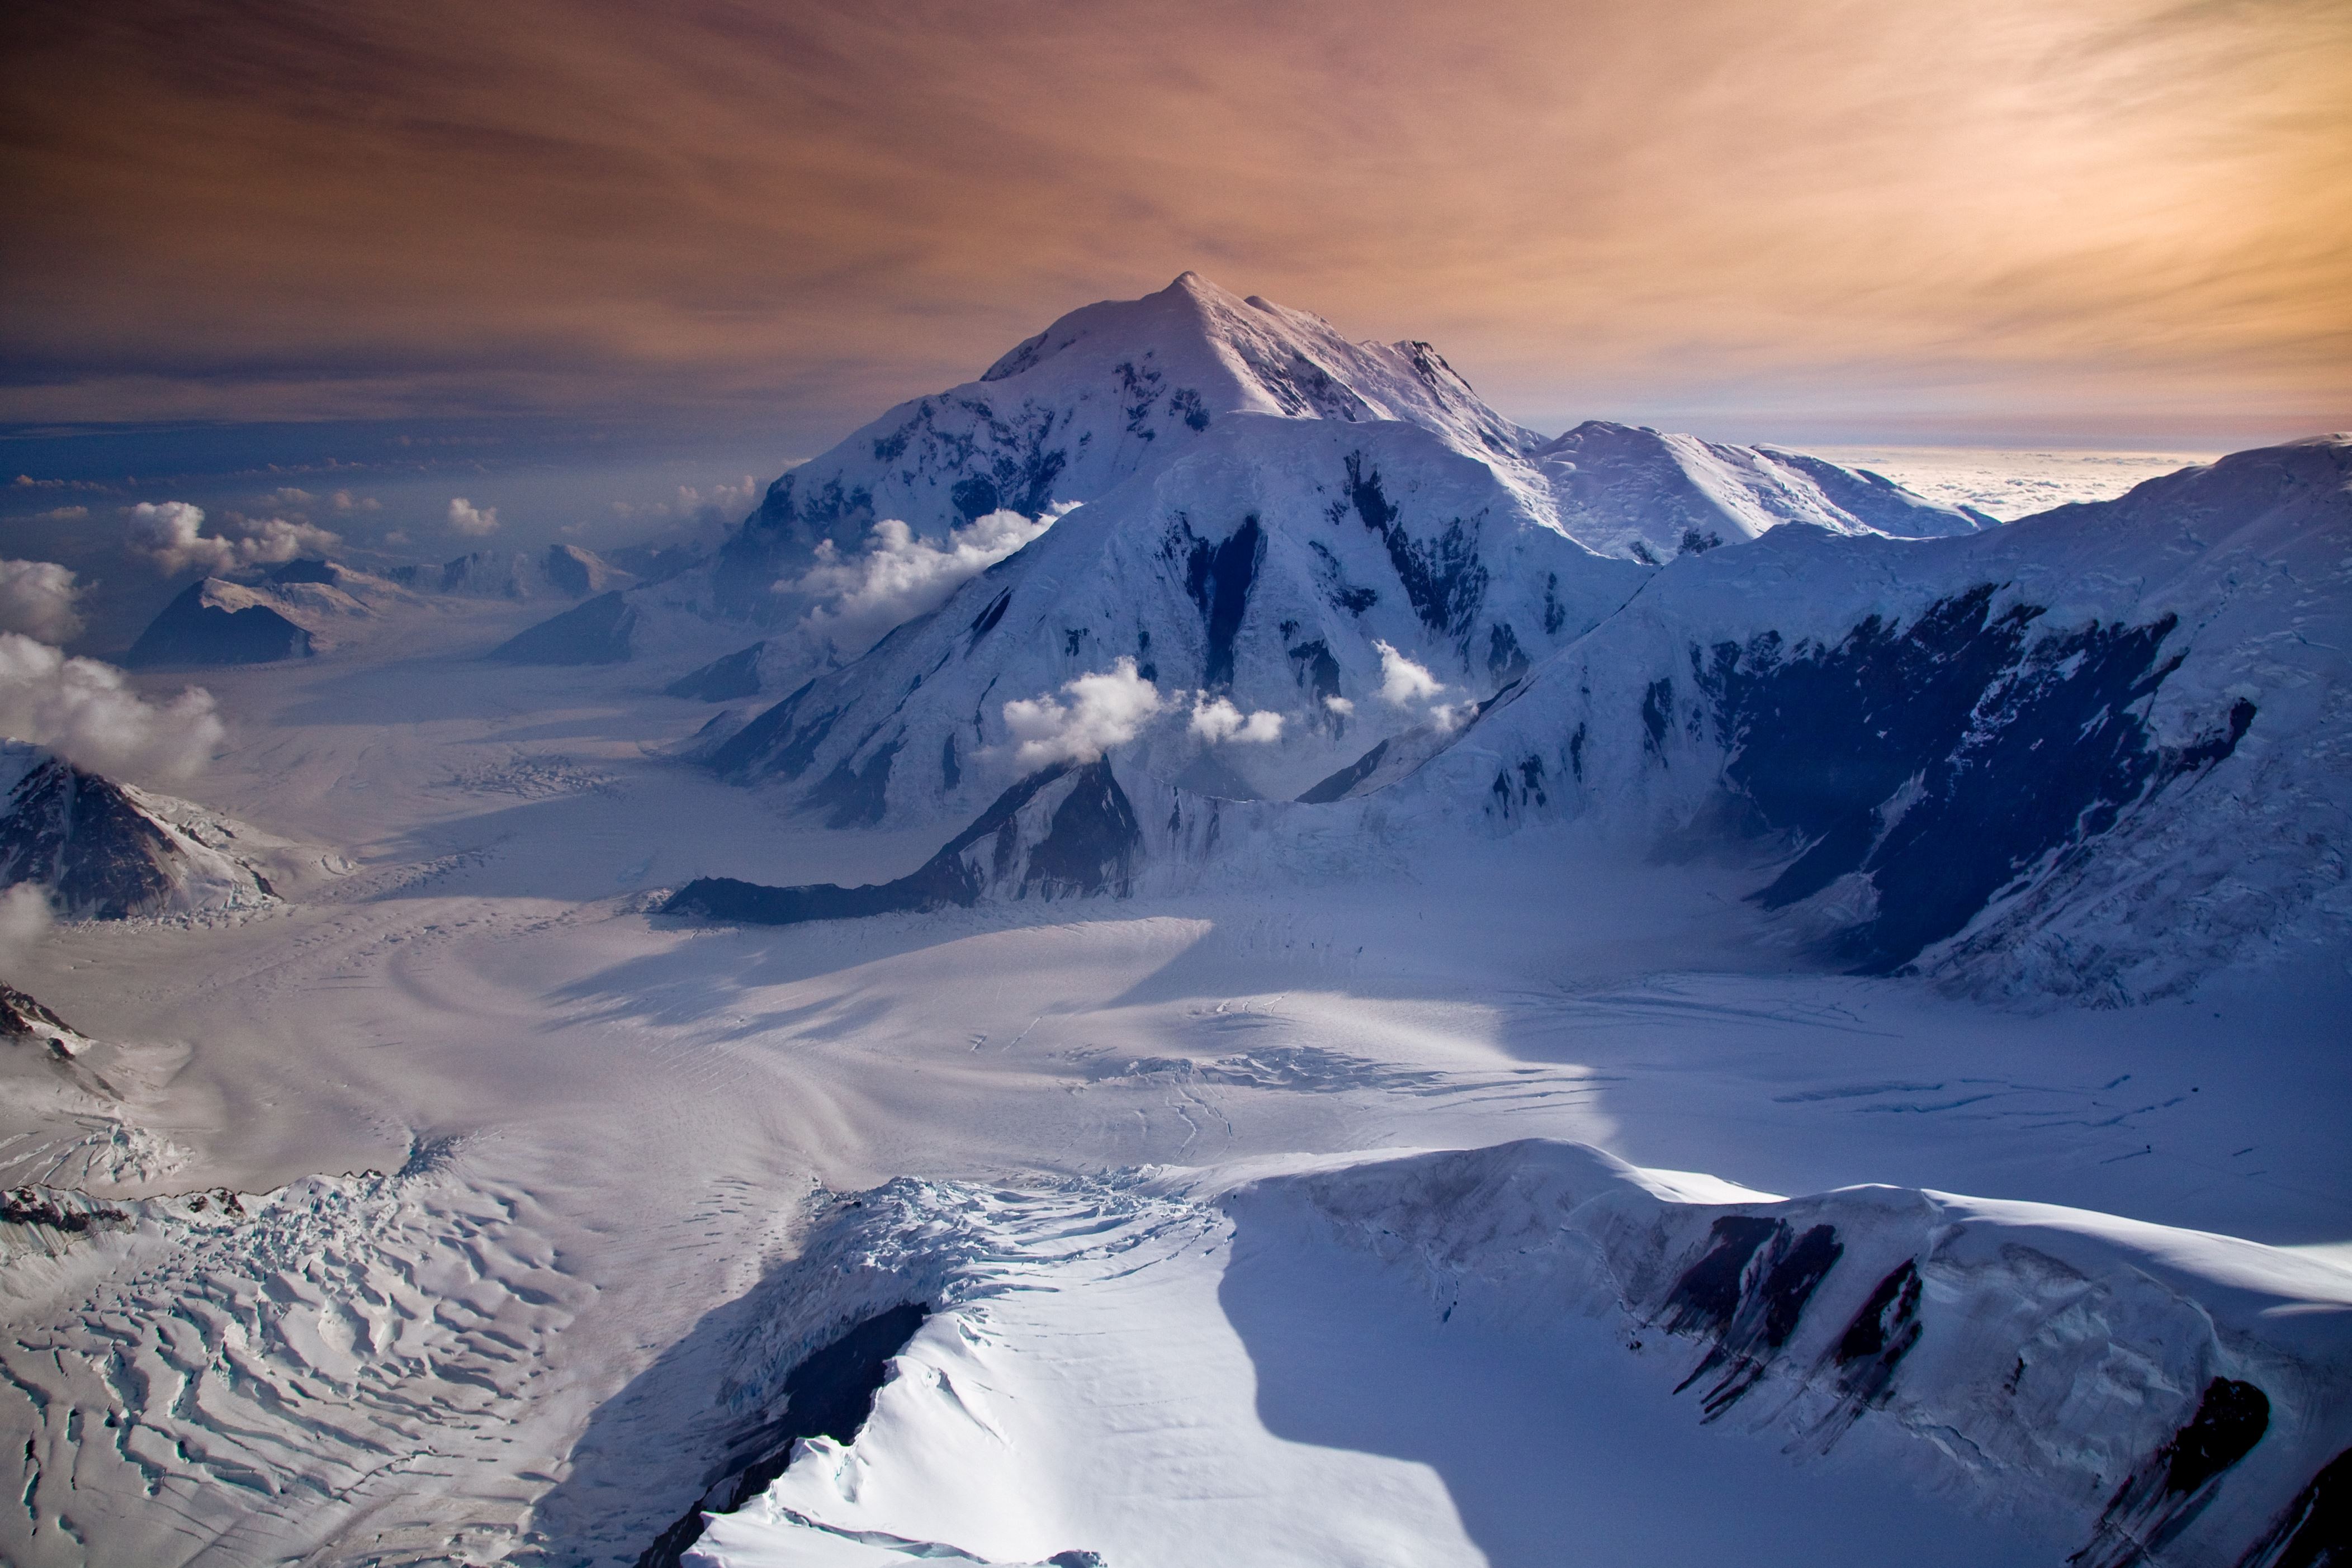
(1399, 1186)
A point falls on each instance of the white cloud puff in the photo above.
(465, 517)
(87, 712)
(1216, 719)
(37, 598)
(899, 576)
(1339, 706)
(1402, 682)
(1106, 709)
(170, 535)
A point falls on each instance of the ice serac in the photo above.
(1064, 832)
(1278, 565)
(1105, 394)
(2057, 756)
(104, 850)
(1637, 491)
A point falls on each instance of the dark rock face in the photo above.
(2315, 1530)
(83, 838)
(23, 1018)
(1749, 1291)
(1442, 578)
(1337, 786)
(829, 1394)
(192, 632)
(2166, 1494)
(1089, 846)
(595, 632)
(723, 680)
(1218, 577)
(1943, 760)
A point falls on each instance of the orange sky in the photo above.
(2103, 217)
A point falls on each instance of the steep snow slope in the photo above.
(1122, 389)
(1289, 568)
(1105, 392)
(2101, 750)
(104, 850)
(1638, 493)
(1441, 1357)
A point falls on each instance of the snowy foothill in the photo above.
(1198, 950)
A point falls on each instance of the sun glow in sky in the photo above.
(2013, 220)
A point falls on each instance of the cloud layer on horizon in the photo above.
(2123, 205)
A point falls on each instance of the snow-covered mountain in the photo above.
(2098, 750)
(104, 850)
(1626, 491)
(292, 612)
(2126, 1392)
(1125, 389)
(559, 571)
(1346, 582)
(2091, 752)
(1104, 394)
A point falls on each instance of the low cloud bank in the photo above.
(900, 576)
(37, 599)
(87, 712)
(1105, 709)
(169, 535)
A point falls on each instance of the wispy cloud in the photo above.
(2113, 204)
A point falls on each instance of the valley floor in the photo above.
(596, 1137)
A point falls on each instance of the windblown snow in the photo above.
(1201, 950)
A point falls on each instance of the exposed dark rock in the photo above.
(30, 1206)
(1943, 759)
(2314, 1531)
(829, 1394)
(1748, 1290)
(84, 838)
(1218, 577)
(1443, 578)
(24, 1018)
(722, 680)
(1088, 847)
(192, 630)
(2173, 1486)
(1337, 786)
(595, 632)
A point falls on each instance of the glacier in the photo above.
(1348, 983)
